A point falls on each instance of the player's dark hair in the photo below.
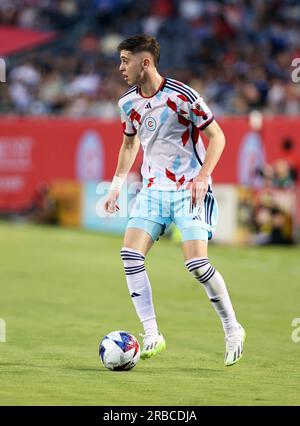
(141, 43)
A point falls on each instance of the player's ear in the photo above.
(146, 63)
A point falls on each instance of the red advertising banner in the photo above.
(34, 151)
(247, 149)
(14, 39)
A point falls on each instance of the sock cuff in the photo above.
(196, 263)
(131, 254)
(196, 267)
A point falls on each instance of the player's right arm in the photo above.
(127, 155)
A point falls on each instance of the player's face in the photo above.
(131, 67)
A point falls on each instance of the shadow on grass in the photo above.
(140, 370)
(158, 371)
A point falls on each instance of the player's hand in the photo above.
(199, 188)
(110, 205)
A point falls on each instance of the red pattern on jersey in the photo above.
(182, 97)
(199, 113)
(195, 134)
(171, 175)
(180, 181)
(182, 120)
(172, 105)
(150, 182)
(134, 115)
(185, 137)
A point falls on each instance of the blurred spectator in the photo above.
(43, 208)
(273, 226)
(282, 174)
(290, 155)
(251, 158)
(236, 53)
(266, 216)
(24, 82)
(41, 14)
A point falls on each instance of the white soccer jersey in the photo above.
(168, 125)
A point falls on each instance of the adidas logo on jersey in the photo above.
(148, 106)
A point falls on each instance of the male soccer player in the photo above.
(166, 117)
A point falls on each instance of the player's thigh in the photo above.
(194, 248)
(137, 239)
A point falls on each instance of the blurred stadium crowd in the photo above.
(267, 209)
(236, 53)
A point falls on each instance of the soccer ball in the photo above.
(119, 351)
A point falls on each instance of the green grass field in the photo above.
(63, 290)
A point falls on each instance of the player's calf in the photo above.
(139, 288)
(216, 291)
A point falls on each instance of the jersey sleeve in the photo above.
(200, 114)
(128, 127)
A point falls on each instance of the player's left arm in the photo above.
(216, 144)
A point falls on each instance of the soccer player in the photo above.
(167, 117)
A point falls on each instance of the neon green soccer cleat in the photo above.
(152, 345)
(234, 347)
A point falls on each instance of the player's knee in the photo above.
(201, 269)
